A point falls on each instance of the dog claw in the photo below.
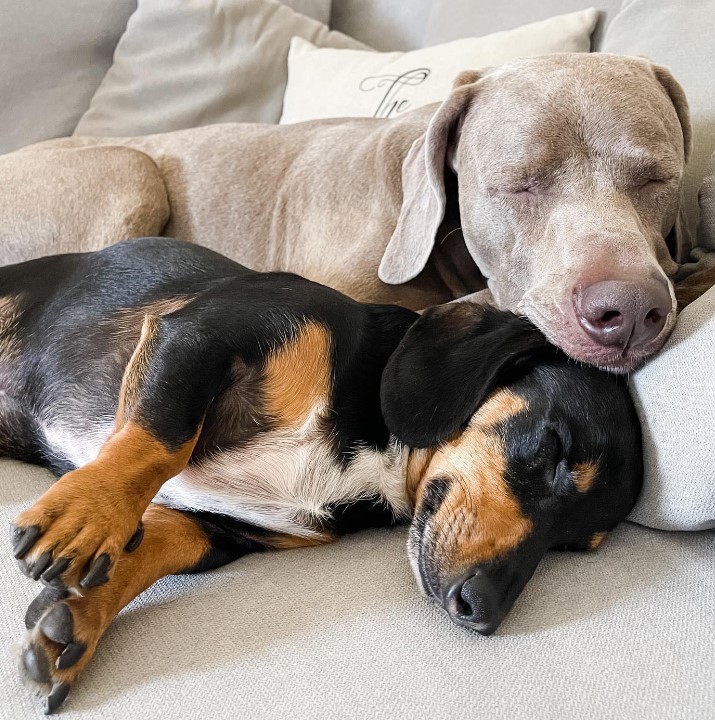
(57, 696)
(70, 655)
(24, 568)
(58, 624)
(97, 574)
(56, 569)
(136, 539)
(23, 539)
(48, 596)
(40, 565)
(36, 664)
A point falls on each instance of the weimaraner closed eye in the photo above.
(552, 181)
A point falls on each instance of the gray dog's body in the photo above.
(557, 174)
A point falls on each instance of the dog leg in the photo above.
(77, 530)
(65, 627)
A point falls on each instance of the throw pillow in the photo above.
(324, 83)
(200, 62)
(674, 397)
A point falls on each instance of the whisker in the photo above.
(451, 232)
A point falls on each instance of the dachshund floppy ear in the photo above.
(448, 363)
(423, 195)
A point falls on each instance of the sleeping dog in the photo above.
(196, 411)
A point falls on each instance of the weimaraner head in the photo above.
(569, 170)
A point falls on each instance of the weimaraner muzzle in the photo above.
(560, 176)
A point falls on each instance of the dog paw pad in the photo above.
(58, 624)
(36, 664)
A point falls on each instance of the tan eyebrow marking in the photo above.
(584, 475)
(499, 406)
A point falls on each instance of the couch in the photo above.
(341, 631)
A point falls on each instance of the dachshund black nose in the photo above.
(475, 603)
(622, 313)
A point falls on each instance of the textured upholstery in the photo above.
(341, 633)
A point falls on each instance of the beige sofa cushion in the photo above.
(325, 83)
(679, 35)
(317, 9)
(341, 633)
(53, 55)
(382, 24)
(452, 19)
(200, 62)
(674, 396)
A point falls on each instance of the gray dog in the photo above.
(552, 181)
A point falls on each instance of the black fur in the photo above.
(575, 417)
(448, 363)
(79, 322)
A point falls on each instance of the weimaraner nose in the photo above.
(623, 313)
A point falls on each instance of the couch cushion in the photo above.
(317, 9)
(341, 633)
(53, 56)
(382, 24)
(674, 396)
(200, 62)
(706, 198)
(679, 35)
(451, 19)
(326, 83)
(44, 93)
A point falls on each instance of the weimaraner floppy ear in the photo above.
(424, 199)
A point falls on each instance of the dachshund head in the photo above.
(515, 450)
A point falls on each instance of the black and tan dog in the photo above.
(197, 411)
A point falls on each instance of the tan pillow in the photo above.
(199, 62)
(325, 83)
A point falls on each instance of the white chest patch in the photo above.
(282, 481)
(287, 479)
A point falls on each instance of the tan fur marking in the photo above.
(498, 407)
(293, 542)
(135, 371)
(128, 319)
(96, 508)
(166, 306)
(417, 463)
(480, 519)
(172, 542)
(298, 376)
(596, 540)
(583, 476)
